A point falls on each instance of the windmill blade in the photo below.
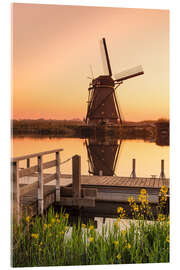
(130, 73)
(105, 58)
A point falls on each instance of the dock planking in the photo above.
(34, 191)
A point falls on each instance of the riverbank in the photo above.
(78, 129)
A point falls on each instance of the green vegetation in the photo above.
(51, 240)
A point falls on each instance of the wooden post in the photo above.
(16, 192)
(76, 176)
(57, 176)
(133, 174)
(100, 172)
(40, 186)
(28, 163)
(162, 174)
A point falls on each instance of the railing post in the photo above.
(57, 177)
(100, 173)
(133, 174)
(16, 191)
(76, 176)
(162, 174)
(40, 186)
(28, 163)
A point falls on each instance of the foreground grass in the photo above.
(52, 241)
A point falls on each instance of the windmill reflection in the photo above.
(102, 155)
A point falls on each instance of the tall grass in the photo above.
(51, 240)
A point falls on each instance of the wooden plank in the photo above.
(16, 192)
(80, 202)
(49, 164)
(57, 176)
(36, 154)
(27, 188)
(28, 171)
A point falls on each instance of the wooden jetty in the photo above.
(33, 190)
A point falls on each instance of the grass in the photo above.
(51, 240)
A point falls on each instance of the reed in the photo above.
(51, 240)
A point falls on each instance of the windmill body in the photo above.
(102, 103)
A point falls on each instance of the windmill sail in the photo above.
(105, 58)
(127, 74)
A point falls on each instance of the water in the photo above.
(108, 155)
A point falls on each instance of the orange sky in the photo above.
(54, 46)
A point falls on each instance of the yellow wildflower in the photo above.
(91, 227)
(167, 239)
(131, 200)
(118, 256)
(57, 215)
(66, 215)
(161, 217)
(120, 209)
(45, 226)
(35, 235)
(53, 220)
(116, 243)
(143, 191)
(164, 189)
(61, 233)
(83, 226)
(58, 220)
(128, 246)
(91, 239)
(28, 219)
(49, 225)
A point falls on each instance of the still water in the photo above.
(109, 155)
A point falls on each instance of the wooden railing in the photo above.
(18, 173)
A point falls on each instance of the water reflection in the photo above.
(102, 155)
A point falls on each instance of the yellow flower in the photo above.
(83, 226)
(28, 219)
(164, 189)
(131, 200)
(143, 191)
(120, 210)
(57, 215)
(58, 220)
(35, 235)
(49, 225)
(118, 256)
(128, 246)
(66, 215)
(91, 227)
(53, 220)
(91, 239)
(116, 243)
(40, 249)
(167, 239)
(41, 243)
(161, 217)
(45, 226)
(61, 233)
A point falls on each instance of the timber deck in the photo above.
(108, 188)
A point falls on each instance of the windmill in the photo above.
(102, 153)
(102, 102)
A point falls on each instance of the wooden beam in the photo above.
(29, 187)
(36, 154)
(76, 176)
(40, 186)
(80, 202)
(57, 176)
(16, 192)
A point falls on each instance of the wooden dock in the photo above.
(33, 190)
